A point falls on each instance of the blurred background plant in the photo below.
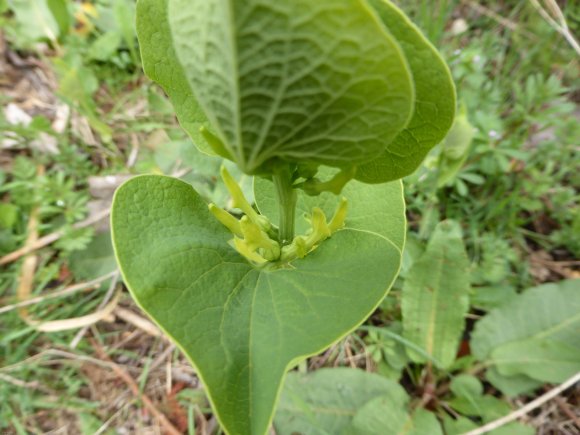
(498, 200)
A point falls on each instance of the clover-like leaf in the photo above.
(434, 103)
(242, 327)
(301, 80)
(161, 65)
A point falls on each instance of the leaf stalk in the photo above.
(287, 198)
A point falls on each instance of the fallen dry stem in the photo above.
(76, 322)
(138, 321)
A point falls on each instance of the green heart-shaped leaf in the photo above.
(306, 81)
(240, 326)
(434, 103)
(161, 65)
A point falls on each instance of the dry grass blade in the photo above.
(25, 287)
(76, 322)
(89, 285)
(30, 385)
(556, 19)
(26, 277)
(59, 356)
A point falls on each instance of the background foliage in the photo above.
(498, 200)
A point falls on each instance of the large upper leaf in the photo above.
(241, 327)
(434, 104)
(317, 81)
(161, 65)
(435, 296)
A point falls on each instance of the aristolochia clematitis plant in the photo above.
(316, 98)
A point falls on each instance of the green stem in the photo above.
(287, 197)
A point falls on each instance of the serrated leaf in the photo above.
(434, 105)
(304, 81)
(105, 46)
(161, 65)
(435, 296)
(325, 401)
(96, 260)
(550, 311)
(541, 359)
(240, 326)
(35, 19)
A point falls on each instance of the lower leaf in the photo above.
(240, 326)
